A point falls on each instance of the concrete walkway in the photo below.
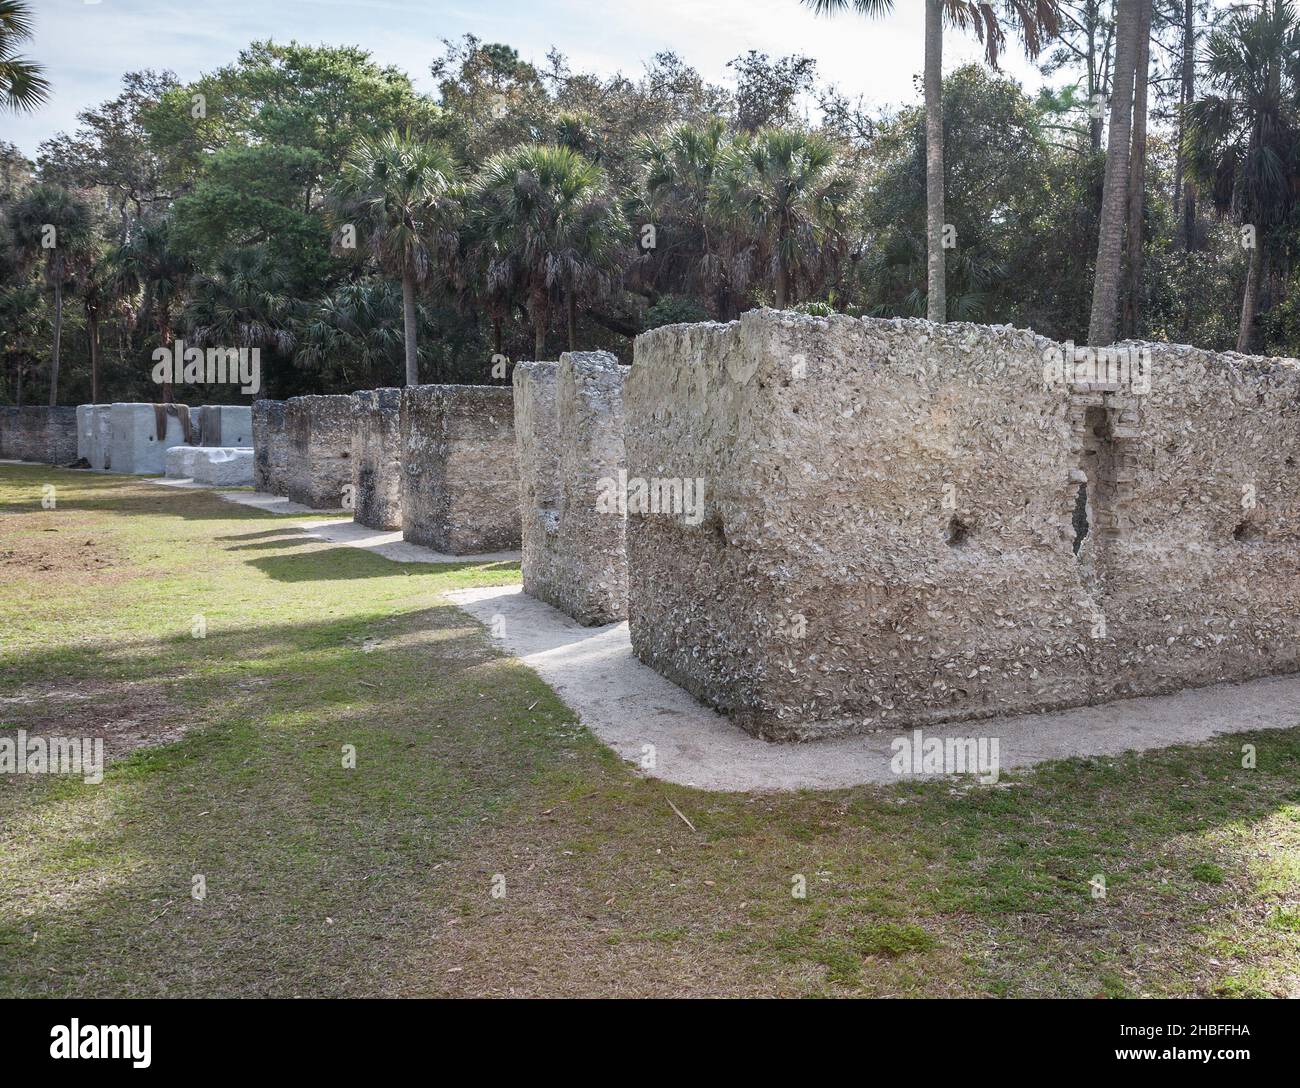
(339, 530)
(628, 706)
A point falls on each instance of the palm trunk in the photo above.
(936, 298)
(1184, 190)
(58, 338)
(92, 323)
(1138, 171)
(571, 315)
(408, 328)
(165, 337)
(781, 292)
(1250, 302)
(1094, 76)
(1110, 240)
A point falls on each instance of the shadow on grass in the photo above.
(318, 876)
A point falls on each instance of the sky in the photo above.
(86, 45)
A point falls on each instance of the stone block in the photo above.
(569, 432)
(270, 447)
(136, 443)
(319, 430)
(228, 425)
(376, 458)
(904, 523)
(215, 466)
(460, 481)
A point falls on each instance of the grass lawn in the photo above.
(472, 778)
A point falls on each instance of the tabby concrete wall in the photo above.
(376, 458)
(1194, 503)
(460, 480)
(319, 430)
(134, 442)
(226, 425)
(219, 466)
(569, 431)
(32, 433)
(85, 431)
(270, 447)
(839, 525)
(537, 448)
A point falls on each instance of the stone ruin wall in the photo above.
(270, 447)
(41, 434)
(319, 433)
(228, 426)
(1195, 504)
(460, 478)
(376, 458)
(538, 450)
(892, 511)
(569, 427)
(133, 443)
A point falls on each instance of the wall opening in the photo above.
(1247, 530)
(1081, 526)
(957, 534)
(1094, 519)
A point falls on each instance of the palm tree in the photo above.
(1242, 137)
(549, 226)
(244, 302)
(147, 262)
(1137, 169)
(23, 85)
(401, 195)
(1036, 20)
(357, 330)
(678, 167)
(97, 288)
(784, 187)
(52, 227)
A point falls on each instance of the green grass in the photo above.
(471, 779)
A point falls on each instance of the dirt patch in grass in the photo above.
(34, 548)
(126, 715)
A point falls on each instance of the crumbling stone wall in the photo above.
(100, 455)
(33, 433)
(569, 430)
(226, 425)
(270, 447)
(537, 448)
(135, 446)
(893, 531)
(85, 431)
(460, 480)
(1194, 521)
(376, 458)
(319, 430)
